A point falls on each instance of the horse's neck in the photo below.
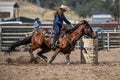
(76, 35)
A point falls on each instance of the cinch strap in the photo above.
(69, 41)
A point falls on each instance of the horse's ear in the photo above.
(86, 22)
(83, 21)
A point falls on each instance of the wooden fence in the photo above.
(11, 33)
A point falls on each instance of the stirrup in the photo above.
(53, 47)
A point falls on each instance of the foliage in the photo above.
(81, 7)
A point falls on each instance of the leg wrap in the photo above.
(52, 58)
(68, 60)
(42, 56)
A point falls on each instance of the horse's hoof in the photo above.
(33, 61)
(45, 60)
(68, 63)
(49, 63)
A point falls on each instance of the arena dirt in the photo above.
(18, 67)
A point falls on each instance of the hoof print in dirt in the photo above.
(10, 61)
(41, 61)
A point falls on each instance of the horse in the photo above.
(66, 43)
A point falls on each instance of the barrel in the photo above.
(91, 46)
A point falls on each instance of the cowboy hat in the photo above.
(63, 7)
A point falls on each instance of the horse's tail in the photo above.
(24, 41)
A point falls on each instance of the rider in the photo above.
(37, 24)
(58, 22)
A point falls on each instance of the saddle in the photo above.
(63, 31)
(51, 34)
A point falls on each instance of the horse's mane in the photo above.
(77, 25)
(73, 29)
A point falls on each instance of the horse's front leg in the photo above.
(54, 56)
(32, 56)
(67, 55)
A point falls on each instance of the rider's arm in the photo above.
(66, 21)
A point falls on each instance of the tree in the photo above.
(82, 7)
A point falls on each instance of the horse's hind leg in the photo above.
(42, 52)
(32, 56)
(24, 41)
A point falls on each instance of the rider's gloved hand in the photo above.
(71, 25)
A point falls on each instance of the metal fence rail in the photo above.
(111, 39)
(10, 34)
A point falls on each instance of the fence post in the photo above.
(0, 37)
(108, 40)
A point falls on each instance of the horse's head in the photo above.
(88, 30)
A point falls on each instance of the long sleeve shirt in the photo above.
(37, 24)
(58, 20)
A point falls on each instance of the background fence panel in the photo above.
(111, 39)
(11, 33)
